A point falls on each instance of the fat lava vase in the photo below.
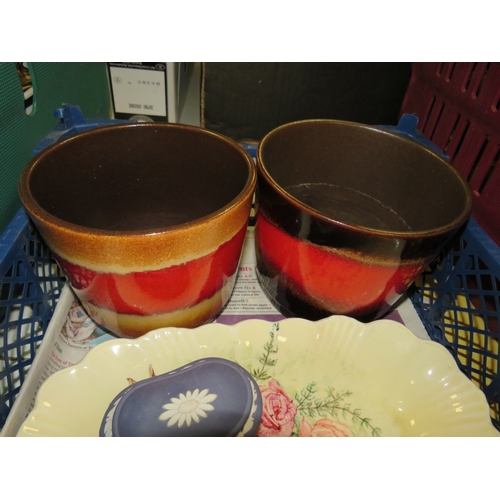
(348, 215)
(147, 220)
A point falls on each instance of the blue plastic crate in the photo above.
(458, 300)
(30, 284)
(457, 297)
(30, 280)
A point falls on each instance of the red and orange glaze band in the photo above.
(337, 282)
(157, 291)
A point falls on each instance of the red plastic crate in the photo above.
(458, 107)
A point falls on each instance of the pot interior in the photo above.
(364, 176)
(138, 177)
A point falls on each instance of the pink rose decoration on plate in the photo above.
(324, 428)
(278, 411)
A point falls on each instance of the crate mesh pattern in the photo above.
(30, 284)
(458, 301)
(458, 297)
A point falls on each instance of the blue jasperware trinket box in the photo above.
(209, 397)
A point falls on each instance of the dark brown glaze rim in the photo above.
(407, 235)
(32, 206)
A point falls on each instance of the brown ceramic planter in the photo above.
(349, 215)
(146, 220)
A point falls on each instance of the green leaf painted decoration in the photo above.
(313, 414)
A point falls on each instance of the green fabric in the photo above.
(82, 84)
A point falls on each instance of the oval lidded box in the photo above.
(209, 397)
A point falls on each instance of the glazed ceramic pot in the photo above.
(348, 215)
(146, 220)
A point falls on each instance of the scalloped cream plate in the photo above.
(334, 377)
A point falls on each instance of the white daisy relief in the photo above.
(188, 407)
